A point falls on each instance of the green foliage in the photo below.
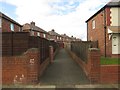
(109, 61)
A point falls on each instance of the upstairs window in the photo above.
(44, 35)
(93, 24)
(12, 27)
(19, 29)
(38, 34)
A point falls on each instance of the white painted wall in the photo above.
(116, 44)
(115, 16)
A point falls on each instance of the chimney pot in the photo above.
(53, 30)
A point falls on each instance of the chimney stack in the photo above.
(32, 23)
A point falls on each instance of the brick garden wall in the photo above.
(95, 72)
(110, 74)
(91, 67)
(115, 55)
(13, 67)
(28, 67)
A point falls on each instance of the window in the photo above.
(19, 28)
(0, 22)
(12, 27)
(44, 35)
(93, 24)
(38, 34)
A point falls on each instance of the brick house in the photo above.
(75, 39)
(66, 40)
(104, 27)
(8, 25)
(54, 36)
(35, 30)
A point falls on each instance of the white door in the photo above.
(116, 44)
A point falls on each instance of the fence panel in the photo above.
(20, 43)
(80, 48)
(16, 43)
(7, 44)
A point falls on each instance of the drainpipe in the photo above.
(105, 31)
(87, 31)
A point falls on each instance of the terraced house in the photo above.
(35, 30)
(8, 25)
(104, 27)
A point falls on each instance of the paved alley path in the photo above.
(64, 71)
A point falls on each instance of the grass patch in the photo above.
(109, 61)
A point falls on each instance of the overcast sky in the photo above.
(65, 16)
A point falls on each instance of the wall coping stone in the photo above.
(93, 49)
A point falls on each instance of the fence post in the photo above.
(94, 65)
(51, 53)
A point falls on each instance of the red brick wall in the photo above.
(6, 26)
(92, 67)
(18, 65)
(98, 32)
(108, 16)
(33, 64)
(27, 64)
(110, 74)
(12, 66)
(115, 55)
(98, 73)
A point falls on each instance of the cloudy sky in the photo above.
(65, 16)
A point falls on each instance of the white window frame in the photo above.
(44, 35)
(93, 24)
(38, 33)
(19, 29)
(57, 37)
(12, 27)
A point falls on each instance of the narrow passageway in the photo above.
(64, 71)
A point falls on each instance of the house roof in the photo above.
(112, 3)
(28, 26)
(113, 29)
(53, 33)
(9, 19)
(65, 36)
